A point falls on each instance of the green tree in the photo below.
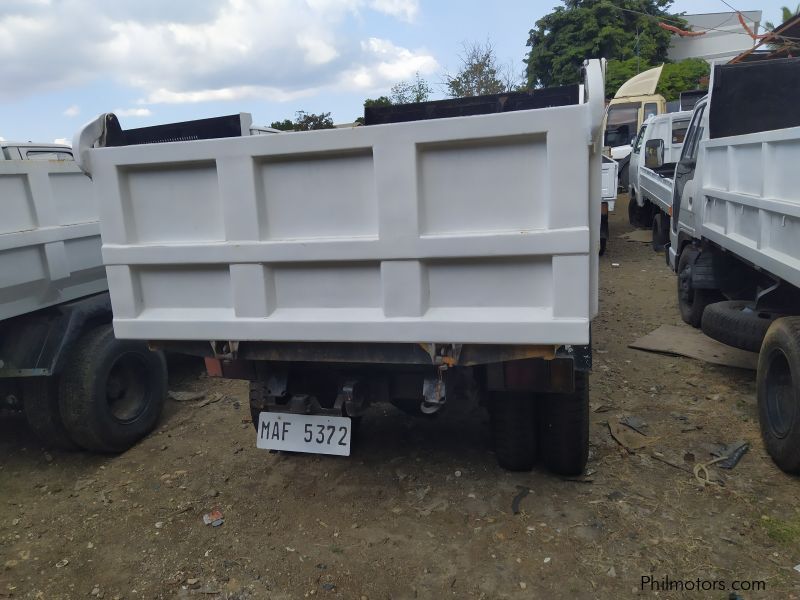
(405, 92)
(675, 77)
(305, 122)
(379, 101)
(684, 75)
(786, 14)
(480, 73)
(613, 29)
(285, 125)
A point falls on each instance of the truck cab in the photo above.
(634, 103)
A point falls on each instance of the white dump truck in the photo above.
(451, 248)
(60, 364)
(653, 159)
(735, 233)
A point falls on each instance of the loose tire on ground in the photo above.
(736, 324)
(40, 404)
(778, 385)
(564, 428)
(112, 391)
(512, 416)
(692, 302)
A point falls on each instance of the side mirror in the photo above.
(654, 153)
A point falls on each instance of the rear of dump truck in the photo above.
(412, 262)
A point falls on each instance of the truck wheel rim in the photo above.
(127, 391)
(780, 396)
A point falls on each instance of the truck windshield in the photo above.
(621, 124)
(679, 130)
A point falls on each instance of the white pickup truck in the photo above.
(457, 241)
(653, 159)
(736, 232)
(60, 364)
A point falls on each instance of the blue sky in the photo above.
(156, 61)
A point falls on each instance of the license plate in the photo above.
(316, 434)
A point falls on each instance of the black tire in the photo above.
(692, 302)
(624, 180)
(564, 428)
(736, 324)
(112, 391)
(660, 230)
(40, 405)
(512, 416)
(778, 385)
(633, 211)
(603, 233)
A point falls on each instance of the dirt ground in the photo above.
(420, 510)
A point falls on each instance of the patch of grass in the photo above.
(784, 532)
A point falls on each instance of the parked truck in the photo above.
(60, 364)
(636, 101)
(734, 239)
(653, 159)
(412, 261)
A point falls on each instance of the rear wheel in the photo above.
(112, 391)
(40, 404)
(564, 428)
(778, 385)
(512, 416)
(633, 211)
(660, 231)
(692, 302)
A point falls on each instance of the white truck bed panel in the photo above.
(49, 236)
(751, 199)
(480, 229)
(610, 179)
(655, 188)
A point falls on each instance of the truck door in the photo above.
(684, 170)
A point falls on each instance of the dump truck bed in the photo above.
(476, 229)
(49, 236)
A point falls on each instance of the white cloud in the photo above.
(165, 96)
(224, 50)
(389, 64)
(132, 112)
(403, 9)
(2, 139)
(62, 141)
(72, 111)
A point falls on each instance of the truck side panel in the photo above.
(751, 199)
(49, 236)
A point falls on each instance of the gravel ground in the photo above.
(420, 509)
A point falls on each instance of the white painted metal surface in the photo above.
(652, 186)
(480, 229)
(49, 235)
(751, 198)
(610, 182)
